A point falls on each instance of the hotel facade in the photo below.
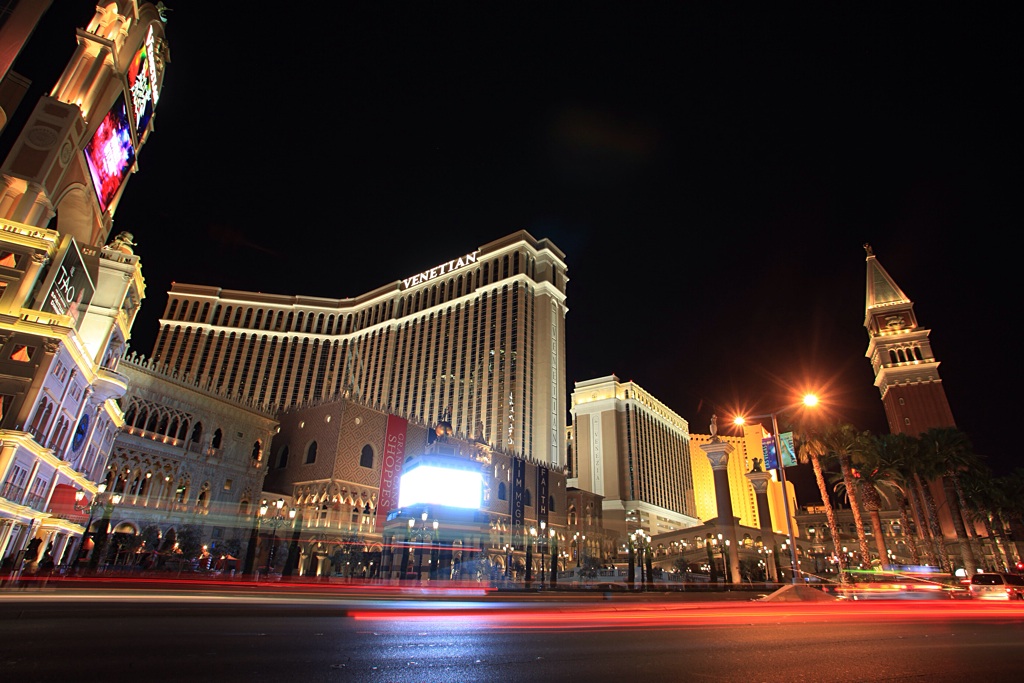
(479, 340)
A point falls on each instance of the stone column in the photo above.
(718, 452)
(759, 480)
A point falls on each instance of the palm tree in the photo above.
(952, 450)
(985, 499)
(905, 450)
(812, 449)
(878, 480)
(1012, 512)
(926, 467)
(841, 441)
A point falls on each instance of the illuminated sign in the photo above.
(438, 271)
(68, 285)
(436, 485)
(151, 56)
(110, 154)
(140, 85)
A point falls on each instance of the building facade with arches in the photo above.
(184, 457)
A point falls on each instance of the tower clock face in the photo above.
(892, 321)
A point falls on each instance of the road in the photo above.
(174, 634)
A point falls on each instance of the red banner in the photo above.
(391, 468)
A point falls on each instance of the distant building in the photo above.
(635, 453)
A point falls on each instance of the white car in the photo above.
(997, 586)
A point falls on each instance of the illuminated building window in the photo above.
(8, 259)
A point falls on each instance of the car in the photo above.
(997, 586)
(888, 585)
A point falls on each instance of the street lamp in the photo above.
(99, 546)
(91, 506)
(543, 551)
(274, 522)
(435, 551)
(531, 539)
(723, 547)
(631, 576)
(810, 400)
(554, 556)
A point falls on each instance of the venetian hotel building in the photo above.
(480, 338)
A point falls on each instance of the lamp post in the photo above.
(508, 561)
(723, 546)
(631, 575)
(709, 546)
(274, 522)
(254, 536)
(576, 545)
(99, 548)
(529, 556)
(292, 563)
(543, 551)
(91, 506)
(554, 557)
(435, 551)
(809, 400)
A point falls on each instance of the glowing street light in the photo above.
(810, 401)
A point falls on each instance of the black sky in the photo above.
(710, 171)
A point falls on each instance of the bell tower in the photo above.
(906, 371)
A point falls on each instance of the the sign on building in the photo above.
(68, 287)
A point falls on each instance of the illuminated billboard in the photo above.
(110, 154)
(68, 287)
(433, 484)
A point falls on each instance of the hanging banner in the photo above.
(516, 508)
(391, 468)
(788, 452)
(771, 460)
(542, 495)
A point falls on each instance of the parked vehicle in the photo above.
(997, 586)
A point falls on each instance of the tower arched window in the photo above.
(311, 453)
(366, 456)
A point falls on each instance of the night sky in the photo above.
(710, 170)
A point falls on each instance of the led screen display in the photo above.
(110, 153)
(431, 485)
